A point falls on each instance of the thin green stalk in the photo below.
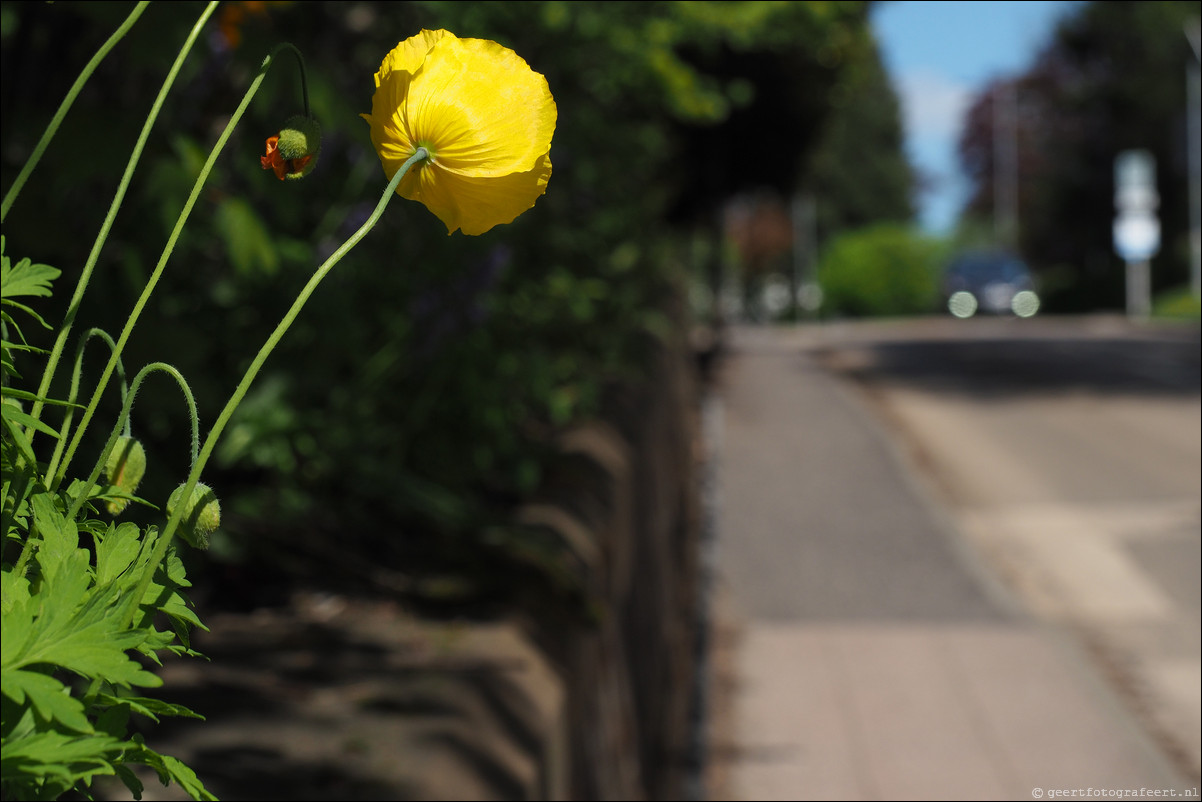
(300, 62)
(122, 421)
(58, 472)
(206, 450)
(84, 277)
(74, 392)
(72, 93)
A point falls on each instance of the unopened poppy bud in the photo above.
(124, 468)
(201, 514)
(292, 153)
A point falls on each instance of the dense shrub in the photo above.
(888, 269)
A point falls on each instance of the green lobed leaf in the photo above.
(131, 781)
(115, 719)
(151, 708)
(49, 697)
(14, 590)
(93, 642)
(50, 754)
(171, 769)
(16, 619)
(26, 278)
(116, 551)
(71, 627)
(93, 650)
(60, 539)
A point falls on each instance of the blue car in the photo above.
(989, 282)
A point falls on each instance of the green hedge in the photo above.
(884, 270)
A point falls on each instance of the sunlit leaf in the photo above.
(26, 278)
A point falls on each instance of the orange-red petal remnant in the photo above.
(278, 164)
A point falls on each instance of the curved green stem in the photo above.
(114, 207)
(240, 391)
(74, 393)
(11, 196)
(57, 472)
(122, 421)
(300, 62)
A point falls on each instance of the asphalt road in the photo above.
(1069, 451)
(941, 479)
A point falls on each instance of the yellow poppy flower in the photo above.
(483, 115)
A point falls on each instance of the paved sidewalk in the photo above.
(876, 657)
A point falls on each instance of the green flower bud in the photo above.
(292, 153)
(124, 468)
(300, 137)
(201, 515)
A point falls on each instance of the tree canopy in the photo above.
(1112, 79)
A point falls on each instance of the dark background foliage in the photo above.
(416, 399)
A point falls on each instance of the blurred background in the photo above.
(715, 164)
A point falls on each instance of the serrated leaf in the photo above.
(116, 551)
(14, 590)
(83, 635)
(57, 754)
(115, 720)
(60, 537)
(172, 769)
(162, 596)
(156, 641)
(76, 487)
(151, 708)
(92, 649)
(27, 278)
(131, 781)
(17, 621)
(49, 697)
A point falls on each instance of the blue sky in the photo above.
(940, 54)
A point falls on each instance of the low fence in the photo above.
(334, 697)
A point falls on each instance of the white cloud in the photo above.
(933, 104)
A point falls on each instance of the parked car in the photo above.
(989, 282)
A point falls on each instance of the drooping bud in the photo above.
(124, 468)
(201, 514)
(292, 153)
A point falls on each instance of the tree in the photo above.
(1112, 79)
(859, 172)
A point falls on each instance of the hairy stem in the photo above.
(59, 471)
(11, 196)
(253, 371)
(84, 277)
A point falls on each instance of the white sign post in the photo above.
(1136, 227)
